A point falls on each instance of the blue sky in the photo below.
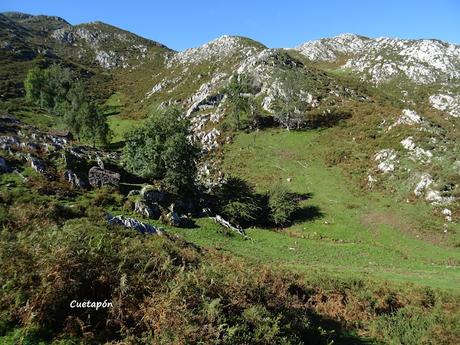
(184, 24)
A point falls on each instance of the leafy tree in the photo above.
(160, 149)
(93, 124)
(282, 204)
(239, 104)
(289, 108)
(34, 84)
(56, 89)
(238, 201)
(47, 88)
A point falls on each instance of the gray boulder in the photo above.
(7, 142)
(152, 195)
(101, 177)
(134, 192)
(4, 166)
(143, 228)
(173, 219)
(37, 164)
(142, 208)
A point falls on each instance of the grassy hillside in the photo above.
(340, 229)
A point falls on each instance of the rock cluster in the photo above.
(101, 177)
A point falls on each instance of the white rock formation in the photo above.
(386, 159)
(447, 103)
(416, 153)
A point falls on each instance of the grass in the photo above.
(42, 120)
(120, 126)
(353, 233)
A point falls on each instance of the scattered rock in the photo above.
(100, 163)
(239, 230)
(143, 228)
(387, 158)
(447, 214)
(134, 192)
(4, 166)
(37, 164)
(151, 194)
(173, 219)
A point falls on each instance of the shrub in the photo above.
(238, 201)
(282, 204)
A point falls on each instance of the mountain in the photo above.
(410, 85)
(379, 60)
(90, 49)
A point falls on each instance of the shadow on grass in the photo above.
(307, 213)
(116, 146)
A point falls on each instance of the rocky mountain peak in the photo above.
(421, 61)
(218, 49)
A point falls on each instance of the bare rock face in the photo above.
(74, 179)
(101, 177)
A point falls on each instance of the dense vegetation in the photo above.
(160, 149)
(57, 91)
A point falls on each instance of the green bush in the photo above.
(282, 204)
(238, 201)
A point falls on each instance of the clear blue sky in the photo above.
(184, 24)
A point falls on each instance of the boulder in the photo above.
(152, 195)
(100, 162)
(143, 228)
(8, 142)
(101, 177)
(173, 219)
(4, 166)
(142, 208)
(74, 179)
(239, 230)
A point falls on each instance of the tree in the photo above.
(56, 89)
(48, 88)
(289, 112)
(239, 104)
(93, 124)
(34, 84)
(160, 149)
(282, 204)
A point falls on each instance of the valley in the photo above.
(229, 193)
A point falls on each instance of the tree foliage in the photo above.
(58, 91)
(290, 110)
(242, 106)
(160, 149)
